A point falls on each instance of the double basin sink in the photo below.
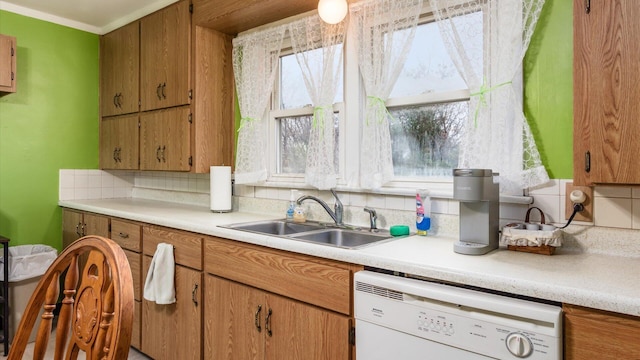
(315, 232)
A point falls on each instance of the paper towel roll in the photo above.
(220, 181)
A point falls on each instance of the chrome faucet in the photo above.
(336, 215)
(373, 216)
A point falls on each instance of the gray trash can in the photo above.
(27, 264)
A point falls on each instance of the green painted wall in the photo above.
(50, 123)
(548, 69)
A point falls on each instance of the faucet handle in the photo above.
(373, 216)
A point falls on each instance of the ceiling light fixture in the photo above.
(332, 11)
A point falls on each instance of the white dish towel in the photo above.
(160, 286)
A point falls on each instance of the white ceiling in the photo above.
(96, 16)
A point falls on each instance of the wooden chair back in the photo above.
(96, 314)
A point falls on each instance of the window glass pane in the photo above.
(293, 140)
(425, 138)
(293, 91)
(429, 67)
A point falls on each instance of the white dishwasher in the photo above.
(410, 319)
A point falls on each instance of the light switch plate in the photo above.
(585, 215)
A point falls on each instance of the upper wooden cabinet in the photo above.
(165, 66)
(119, 66)
(119, 142)
(7, 64)
(606, 92)
(181, 66)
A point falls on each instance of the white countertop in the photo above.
(592, 280)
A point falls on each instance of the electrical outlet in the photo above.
(585, 215)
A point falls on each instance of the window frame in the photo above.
(351, 108)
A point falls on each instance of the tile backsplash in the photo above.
(614, 207)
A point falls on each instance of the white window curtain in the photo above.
(497, 135)
(255, 61)
(318, 50)
(385, 31)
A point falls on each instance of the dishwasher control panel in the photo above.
(465, 320)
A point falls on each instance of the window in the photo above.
(429, 102)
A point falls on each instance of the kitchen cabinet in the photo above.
(76, 224)
(128, 235)
(596, 334)
(119, 139)
(181, 66)
(264, 303)
(606, 90)
(174, 331)
(165, 67)
(242, 322)
(165, 139)
(119, 67)
(8, 56)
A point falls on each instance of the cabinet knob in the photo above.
(587, 6)
(158, 89)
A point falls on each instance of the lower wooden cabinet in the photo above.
(76, 224)
(263, 303)
(602, 335)
(242, 322)
(174, 331)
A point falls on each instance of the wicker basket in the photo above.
(533, 241)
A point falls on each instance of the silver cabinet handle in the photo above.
(164, 159)
(164, 85)
(115, 102)
(158, 92)
(115, 154)
(78, 229)
(256, 320)
(158, 153)
(123, 235)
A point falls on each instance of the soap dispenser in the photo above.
(292, 205)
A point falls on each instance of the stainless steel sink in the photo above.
(325, 234)
(276, 227)
(342, 238)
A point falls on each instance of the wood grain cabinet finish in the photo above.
(8, 71)
(181, 66)
(602, 335)
(242, 322)
(128, 235)
(119, 142)
(262, 303)
(165, 53)
(76, 224)
(174, 331)
(606, 92)
(119, 67)
(165, 139)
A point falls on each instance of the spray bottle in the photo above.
(423, 212)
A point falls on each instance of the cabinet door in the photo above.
(119, 68)
(595, 334)
(606, 92)
(95, 225)
(71, 226)
(7, 63)
(174, 331)
(305, 332)
(165, 140)
(234, 325)
(165, 38)
(119, 142)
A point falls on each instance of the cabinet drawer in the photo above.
(312, 280)
(187, 247)
(135, 263)
(126, 234)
